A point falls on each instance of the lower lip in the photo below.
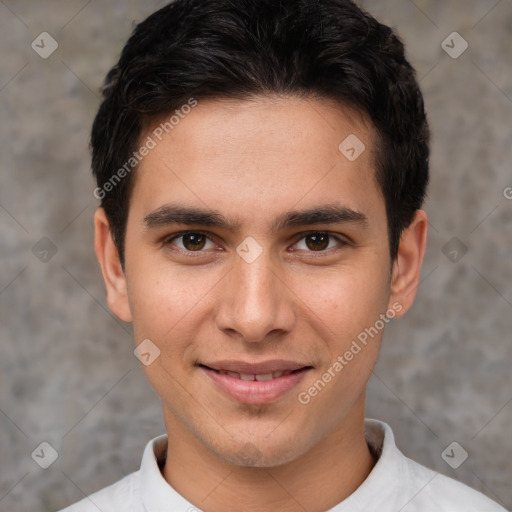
(255, 392)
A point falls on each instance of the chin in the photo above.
(257, 452)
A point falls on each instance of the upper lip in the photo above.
(263, 367)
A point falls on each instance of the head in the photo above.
(249, 123)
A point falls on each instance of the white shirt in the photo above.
(395, 484)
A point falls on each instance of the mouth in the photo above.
(255, 383)
(255, 376)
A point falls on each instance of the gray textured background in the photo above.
(67, 371)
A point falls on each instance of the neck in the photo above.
(317, 480)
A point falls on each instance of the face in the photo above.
(254, 245)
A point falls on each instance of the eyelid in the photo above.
(168, 239)
(186, 232)
(342, 240)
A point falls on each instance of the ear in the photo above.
(407, 265)
(111, 268)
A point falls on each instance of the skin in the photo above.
(252, 161)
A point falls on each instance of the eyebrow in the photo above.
(179, 214)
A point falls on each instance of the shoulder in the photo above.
(443, 494)
(122, 495)
(408, 486)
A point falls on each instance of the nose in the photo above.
(256, 304)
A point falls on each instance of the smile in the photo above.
(259, 376)
(257, 387)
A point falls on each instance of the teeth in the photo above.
(258, 377)
(265, 376)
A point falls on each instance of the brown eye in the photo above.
(320, 241)
(194, 241)
(317, 241)
(191, 241)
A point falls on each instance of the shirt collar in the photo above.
(377, 492)
(157, 494)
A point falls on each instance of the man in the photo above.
(261, 167)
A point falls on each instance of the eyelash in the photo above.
(168, 242)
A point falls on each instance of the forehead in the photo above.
(256, 155)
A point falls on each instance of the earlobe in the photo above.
(111, 268)
(407, 265)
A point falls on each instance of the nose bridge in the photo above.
(256, 303)
(255, 281)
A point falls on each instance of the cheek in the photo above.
(172, 308)
(164, 299)
(344, 310)
(343, 302)
(167, 309)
